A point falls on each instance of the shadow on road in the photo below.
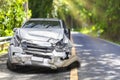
(45, 70)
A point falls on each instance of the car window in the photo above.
(42, 24)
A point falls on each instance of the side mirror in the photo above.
(69, 32)
(15, 29)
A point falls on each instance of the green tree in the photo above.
(99, 16)
(41, 8)
(12, 15)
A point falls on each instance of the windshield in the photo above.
(42, 24)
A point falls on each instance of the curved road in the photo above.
(100, 60)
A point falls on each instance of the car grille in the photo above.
(34, 48)
(37, 54)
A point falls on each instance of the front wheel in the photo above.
(10, 65)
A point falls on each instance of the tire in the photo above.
(10, 65)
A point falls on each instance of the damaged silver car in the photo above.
(41, 42)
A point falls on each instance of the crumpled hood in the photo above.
(41, 34)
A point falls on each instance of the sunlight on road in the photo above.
(111, 59)
(4, 75)
(77, 45)
(106, 66)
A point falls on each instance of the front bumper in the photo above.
(53, 60)
(53, 63)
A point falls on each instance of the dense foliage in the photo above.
(12, 14)
(100, 17)
(40, 8)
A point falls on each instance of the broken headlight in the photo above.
(24, 44)
(60, 46)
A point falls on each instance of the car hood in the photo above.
(53, 35)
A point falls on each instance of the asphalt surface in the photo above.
(100, 60)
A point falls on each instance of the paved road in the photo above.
(100, 59)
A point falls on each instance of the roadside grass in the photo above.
(2, 52)
(117, 42)
(91, 32)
